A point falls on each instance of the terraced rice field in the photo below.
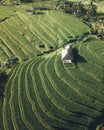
(41, 92)
(45, 94)
(22, 34)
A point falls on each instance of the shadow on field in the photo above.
(3, 78)
(77, 58)
(2, 91)
(98, 121)
(2, 95)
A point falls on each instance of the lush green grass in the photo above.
(44, 93)
(21, 34)
(6, 12)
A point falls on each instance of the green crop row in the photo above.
(46, 94)
(93, 57)
(97, 48)
(21, 39)
(73, 22)
(7, 13)
(3, 55)
(6, 112)
(10, 43)
(22, 99)
(95, 71)
(58, 23)
(53, 120)
(31, 31)
(48, 28)
(41, 116)
(5, 49)
(23, 44)
(76, 87)
(31, 97)
(56, 95)
(44, 32)
(85, 82)
(17, 106)
(70, 91)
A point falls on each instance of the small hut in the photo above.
(67, 54)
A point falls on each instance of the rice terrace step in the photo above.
(39, 89)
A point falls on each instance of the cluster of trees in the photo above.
(91, 12)
(18, 1)
(14, 2)
(12, 61)
(11, 2)
(27, 1)
(80, 10)
(9, 62)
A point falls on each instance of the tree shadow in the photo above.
(78, 58)
(3, 78)
(2, 95)
(98, 121)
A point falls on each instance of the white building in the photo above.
(67, 54)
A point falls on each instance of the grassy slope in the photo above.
(45, 94)
(73, 94)
(22, 33)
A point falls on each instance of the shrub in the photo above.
(42, 46)
(11, 61)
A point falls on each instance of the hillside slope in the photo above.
(25, 35)
(42, 93)
(45, 94)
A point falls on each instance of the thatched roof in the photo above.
(67, 54)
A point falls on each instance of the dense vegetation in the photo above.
(43, 93)
(37, 90)
(26, 36)
(3, 78)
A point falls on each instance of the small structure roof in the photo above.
(67, 54)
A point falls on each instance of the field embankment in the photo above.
(42, 93)
(26, 35)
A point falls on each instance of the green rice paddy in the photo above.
(41, 92)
